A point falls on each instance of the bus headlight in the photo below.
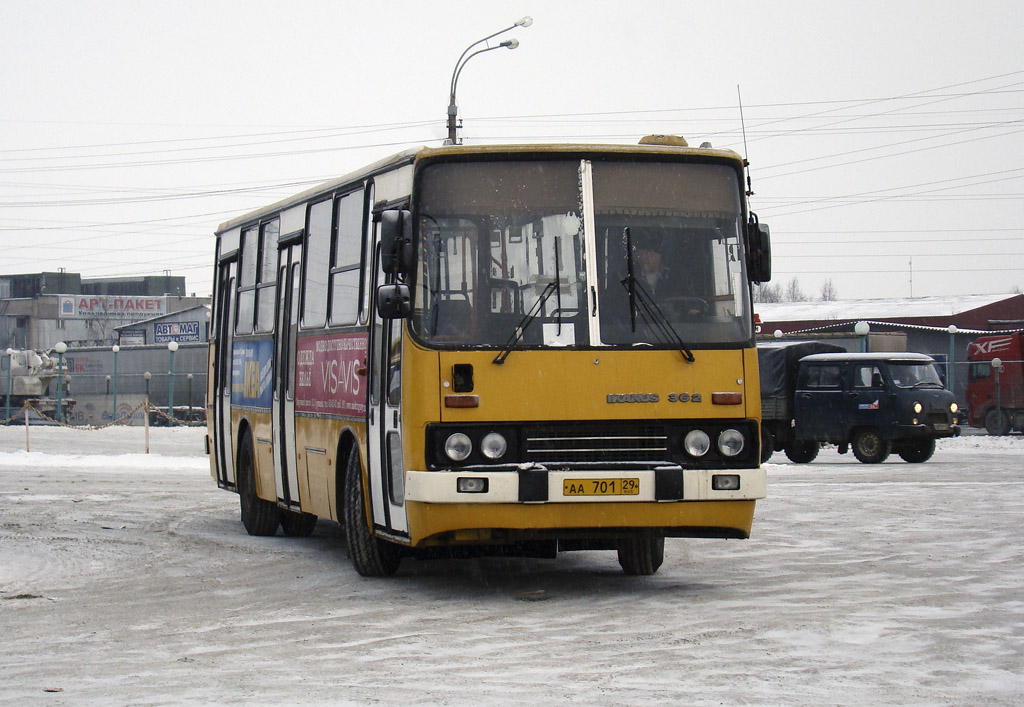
(697, 443)
(730, 442)
(918, 407)
(458, 447)
(493, 446)
(953, 407)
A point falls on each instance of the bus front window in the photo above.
(676, 227)
(501, 248)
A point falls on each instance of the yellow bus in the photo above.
(495, 349)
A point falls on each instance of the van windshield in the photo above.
(915, 375)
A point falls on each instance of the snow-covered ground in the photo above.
(127, 579)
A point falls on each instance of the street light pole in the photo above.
(10, 365)
(453, 110)
(172, 346)
(997, 366)
(952, 357)
(115, 348)
(60, 348)
(862, 329)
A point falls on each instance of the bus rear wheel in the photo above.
(259, 517)
(371, 556)
(641, 555)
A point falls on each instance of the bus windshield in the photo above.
(505, 258)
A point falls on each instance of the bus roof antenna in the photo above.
(743, 126)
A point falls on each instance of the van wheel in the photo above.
(996, 424)
(802, 452)
(297, 525)
(371, 556)
(870, 448)
(259, 517)
(641, 555)
(767, 444)
(917, 451)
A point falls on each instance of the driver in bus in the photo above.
(668, 288)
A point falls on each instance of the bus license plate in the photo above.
(601, 487)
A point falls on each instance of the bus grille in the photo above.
(596, 443)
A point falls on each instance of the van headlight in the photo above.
(458, 447)
(953, 407)
(918, 407)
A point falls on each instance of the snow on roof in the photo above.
(846, 310)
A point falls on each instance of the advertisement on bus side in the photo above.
(330, 374)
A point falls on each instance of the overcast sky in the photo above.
(885, 137)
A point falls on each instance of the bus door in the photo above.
(225, 318)
(283, 408)
(386, 467)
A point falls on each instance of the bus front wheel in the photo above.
(259, 517)
(641, 555)
(371, 556)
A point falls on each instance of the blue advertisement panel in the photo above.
(252, 373)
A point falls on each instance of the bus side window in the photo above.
(317, 264)
(266, 299)
(247, 282)
(347, 257)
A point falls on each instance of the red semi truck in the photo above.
(983, 410)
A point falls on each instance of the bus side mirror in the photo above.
(394, 301)
(759, 251)
(396, 256)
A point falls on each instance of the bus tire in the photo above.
(802, 452)
(917, 451)
(996, 424)
(869, 447)
(260, 517)
(641, 555)
(371, 556)
(297, 524)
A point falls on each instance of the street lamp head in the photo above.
(61, 347)
(147, 375)
(172, 346)
(861, 328)
(952, 329)
(778, 333)
(115, 348)
(997, 363)
(524, 22)
(10, 351)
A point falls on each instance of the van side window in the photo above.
(867, 377)
(823, 376)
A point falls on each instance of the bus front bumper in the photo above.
(538, 485)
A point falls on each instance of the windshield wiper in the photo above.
(527, 319)
(642, 303)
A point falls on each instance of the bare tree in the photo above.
(829, 292)
(793, 293)
(767, 293)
